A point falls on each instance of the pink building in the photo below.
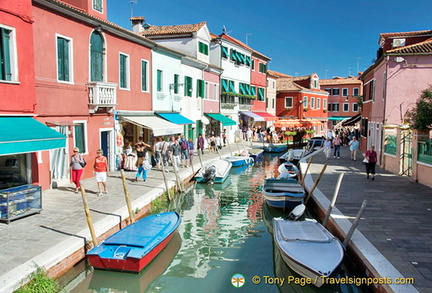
(392, 86)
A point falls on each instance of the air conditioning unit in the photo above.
(398, 43)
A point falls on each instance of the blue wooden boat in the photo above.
(283, 193)
(256, 154)
(238, 161)
(135, 246)
(308, 248)
(275, 148)
(215, 171)
(288, 170)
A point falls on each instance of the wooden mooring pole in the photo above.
(229, 147)
(333, 202)
(315, 184)
(178, 180)
(199, 156)
(88, 216)
(127, 197)
(307, 169)
(165, 178)
(354, 225)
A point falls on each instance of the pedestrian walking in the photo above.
(141, 150)
(200, 144)
(371, 157)
(101, 171)
(191, 151)
(327, 147)
(184, 151)
(77, 164)
(157, 151)
(337, 142)
(176, 155)
(354, 146)
(165, 154)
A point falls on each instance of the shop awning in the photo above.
(26, 135)
(222, 118)
(175, 118)
(297, 123)
(158, 125)
(337, 118)
(267, 116)
(351, 121)
(252, 115)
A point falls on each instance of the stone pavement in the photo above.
(398, 216)
(61, 228)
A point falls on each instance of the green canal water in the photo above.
(226, 230)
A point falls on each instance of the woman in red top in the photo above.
(371, 156)
(101, 171)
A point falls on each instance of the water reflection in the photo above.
(226, 229)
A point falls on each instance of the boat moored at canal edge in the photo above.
(283, 193)
(134, 247)
(238, 161)
(215, 171)
(275, 148)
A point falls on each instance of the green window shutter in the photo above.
(96, 57)
(242, 90)
(225, 85)
(225, 53)
(60, 61)
(97, 5)
(203, 48)
(159, 80)
(253, 91)
(248, 61)
(5, 61)
(144, 76)
(79, 137)
(123, 73)
(233, 55)
(261, 94)
(188, 86)
(231, 86)
(176, 83)
(248, 89)
(200, 88)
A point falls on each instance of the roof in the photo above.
(278, 74)
(287, 84)
(406, 34)
(340, 80)
(419, 48)
(181, 29)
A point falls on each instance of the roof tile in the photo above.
(154, 30)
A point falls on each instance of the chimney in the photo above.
(137, 23)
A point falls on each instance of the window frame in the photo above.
(126, 71)
(345, 107)
(305, 101)
(144, 76)
(312, 103)
(159, 80)
(345, 92)
(325, 105)
(358, 92)
(335, 92)
(85, 136)
(292, 102)
(96, 3)
(355, 107)
(318, 103)
(12, 55)
(203, 48)
(70, 59)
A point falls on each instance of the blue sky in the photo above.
(330, 38)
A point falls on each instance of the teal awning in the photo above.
(222, 118)
(26, 135)
(336, 118)
(175, 118)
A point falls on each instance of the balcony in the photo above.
(236, 102)
(102, 97)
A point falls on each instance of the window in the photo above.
(335, 107)
(344, 92)
(305, 102)
(187, 86)
(159, 77)
(355, 107)
(80, 134)
(261, 94)
(225, 85)
(288, 102)
(144, 75)
(312, 102)
(262, 68)
(318, 103)
(253, 65)
(345, 107)
(231, 86)
(356, 92)
(203, 48)
(335, 92)
(124, 71)
(324, 104)
(176, 83)
(225, 53)
(96, 56)
(253, 91)
(97, 5)
(64, 62)
(200, 88)
(7, 55)
(328, 90)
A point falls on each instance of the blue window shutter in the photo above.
(248, 89)
(231, 86)
(159, 80)
(225, 85)
(225, 52)
(233, 55)
(123, 81)
(242, 90)
(253, 90)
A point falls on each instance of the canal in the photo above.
(226, 230)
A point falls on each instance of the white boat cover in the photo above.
(304, 231)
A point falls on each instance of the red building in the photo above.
(344, 96)
(24, 142)
(85, 68)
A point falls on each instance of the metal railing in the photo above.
(425, 151)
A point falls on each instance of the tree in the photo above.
(420, 117)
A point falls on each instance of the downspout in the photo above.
(384, 113)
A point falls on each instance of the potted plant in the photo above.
(306, 109)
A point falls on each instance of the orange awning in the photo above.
(267, 116)
(297, 123)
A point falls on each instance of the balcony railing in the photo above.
(231, 101)
(102, 95)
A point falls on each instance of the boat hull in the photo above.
(277, 149)
(222, 168)
(283, 193)
(134, 247)
(238, 161)
(310, 254)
